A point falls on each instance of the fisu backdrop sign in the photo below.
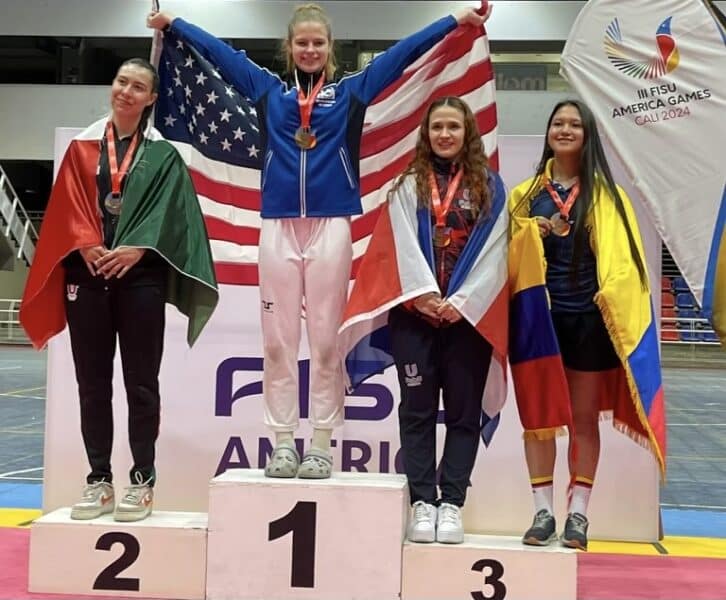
(211, 418)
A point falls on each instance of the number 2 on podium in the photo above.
(301, 522)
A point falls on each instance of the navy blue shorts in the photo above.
(584, 341)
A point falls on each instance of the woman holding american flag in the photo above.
(310, 127)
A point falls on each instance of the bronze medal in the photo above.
(560, 225)
(442, 236)
(442, 233)
(305, 138)
(113, 203)
(561, 219)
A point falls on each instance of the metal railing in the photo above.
(10, 329)
(16, 224)
(687, 330)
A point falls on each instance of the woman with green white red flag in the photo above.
(122, 235)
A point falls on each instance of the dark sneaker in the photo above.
(543, 530)
(575, 534)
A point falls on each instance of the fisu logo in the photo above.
(226, 395)
(355, 454)
(633, 62)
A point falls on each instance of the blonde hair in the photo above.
(309, 13)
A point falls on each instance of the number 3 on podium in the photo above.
(494, 579)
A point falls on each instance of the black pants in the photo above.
(96, 315)
(453, 360)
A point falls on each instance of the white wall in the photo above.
(29, 115)
(515, 20)
(512, 20)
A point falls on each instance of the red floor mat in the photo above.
(628, 577)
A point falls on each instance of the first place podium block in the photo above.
(488, 568)
(279, 539)
(162, 556)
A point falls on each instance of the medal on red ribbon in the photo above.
(113, 201)
(305, 137)
(442, 233)
(561, 219)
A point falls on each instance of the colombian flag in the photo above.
(635, 394)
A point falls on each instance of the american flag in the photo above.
(216, 131)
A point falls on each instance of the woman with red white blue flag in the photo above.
(583, 340)
(431, 296)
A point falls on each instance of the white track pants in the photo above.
(310, 258)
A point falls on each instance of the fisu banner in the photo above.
(654, 74)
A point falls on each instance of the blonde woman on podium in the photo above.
(312, 126)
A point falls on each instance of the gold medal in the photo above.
(113, 203)
(560, 225)
(442, 236)
(305, 138)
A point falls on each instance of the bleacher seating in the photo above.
(685, 300)
(680, 285)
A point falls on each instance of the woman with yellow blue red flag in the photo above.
(582, 334)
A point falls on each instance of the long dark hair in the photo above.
(145, 64)
(594, 172)
(472, 159)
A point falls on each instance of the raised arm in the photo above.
(389, 66)
(246, 76)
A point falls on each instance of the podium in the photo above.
(488, 567)
(163, 556)
(299, 538)
(341, 538)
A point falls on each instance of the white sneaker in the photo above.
(136, 503)
(97, 500)
(422, 524)
(449, 529)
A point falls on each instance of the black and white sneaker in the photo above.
(575, 534)
(543, 530)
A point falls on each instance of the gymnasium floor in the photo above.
(688, 563)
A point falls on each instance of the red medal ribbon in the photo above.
(442, 210)
(305, 103)
(565, 207)
(117, 174)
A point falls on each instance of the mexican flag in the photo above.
(160, 213)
